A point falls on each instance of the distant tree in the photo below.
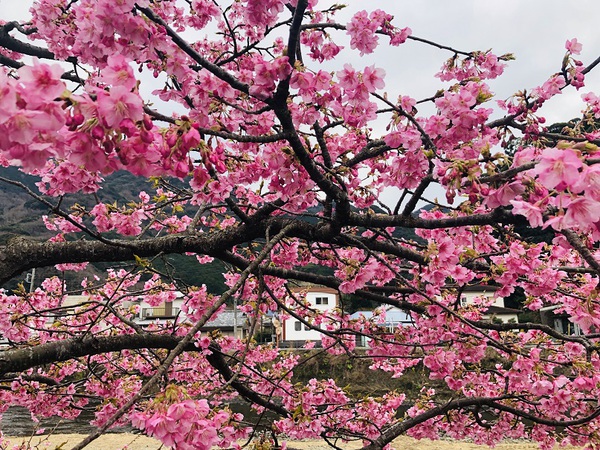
(284, 170)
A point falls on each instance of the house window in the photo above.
(463, 301)
(322, 301)
(297, 326)
(306, 328)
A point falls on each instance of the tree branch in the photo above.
(219, 72)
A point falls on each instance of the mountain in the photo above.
(20, 214)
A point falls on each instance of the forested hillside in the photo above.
(20, 213)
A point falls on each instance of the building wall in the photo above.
(169, 309)
(469, 297)
(505, 317)
(322, 299)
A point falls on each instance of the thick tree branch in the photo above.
(10, 43)
(22, 359)
(21, 254)
(498, 215)
(14, 362)
(215, 358)
(585, 253)
(9, 62)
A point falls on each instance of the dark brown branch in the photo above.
(494, 403)
(383, 220)
(371, 150)
(185, 47)
(509, 173)
(591, 65)
(20, 254)
(294, 37)
(23, 359)
(36, 377)
(9, 62)
(419, 191)
(10, 43)
(215, 358)
(13, 362)
(585, 253)
(330, 188)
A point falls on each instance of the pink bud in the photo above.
(172, 140)
(78, 119)
(191, 139)
(148, 125)
(146, 136)
(98, 132)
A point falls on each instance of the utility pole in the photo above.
(29, 278)
(235, 322)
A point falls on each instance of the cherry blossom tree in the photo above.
(285, 150)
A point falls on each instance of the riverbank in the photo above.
(136, 442)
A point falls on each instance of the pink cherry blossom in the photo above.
(373, 78)
(119, 104)
(558, 168)
(362, 32)
(573, 46)
(41, 81)
(533, 213)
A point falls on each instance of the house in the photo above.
(394, 318)
(496, 311)
(559, 321)
(295, 333)
(230, 322)
(72, 301)
(166, 310)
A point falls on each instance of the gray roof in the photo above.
(226, 319)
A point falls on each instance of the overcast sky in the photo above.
(535, 31)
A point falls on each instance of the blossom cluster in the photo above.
(272, 147)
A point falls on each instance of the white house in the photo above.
(496, 310)
(394, 318)
(167, 310)
(293, 331)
